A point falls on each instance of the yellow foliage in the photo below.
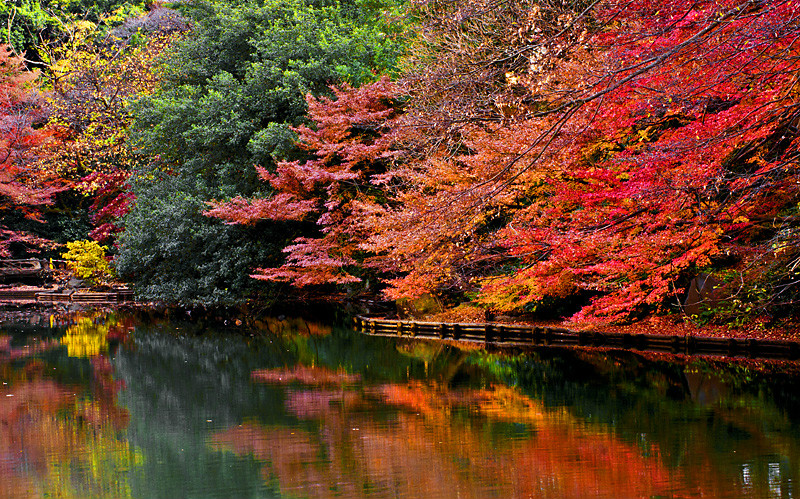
(500, 294)
(92, 85)
(599, 151)
(87, 260)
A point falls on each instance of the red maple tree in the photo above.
(336, 187)
(614, 151)
(23, 187)
(688, 156)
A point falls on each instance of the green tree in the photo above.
(232, 91)
(173, 253)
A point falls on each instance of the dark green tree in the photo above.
(232, 90)
(174, 254)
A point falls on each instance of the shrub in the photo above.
(87, 260)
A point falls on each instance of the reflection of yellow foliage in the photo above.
(104, 463)
(64, 458)
(504, 403)
(85, 338)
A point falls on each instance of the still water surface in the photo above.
(118, 406)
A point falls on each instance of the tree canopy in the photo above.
(598, 154)
(582, 158)
(36, 27)
(24, 188)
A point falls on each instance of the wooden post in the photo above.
(501, 333)
(733, 347)
(752, 347)
(677, 344)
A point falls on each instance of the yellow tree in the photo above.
(93, 81)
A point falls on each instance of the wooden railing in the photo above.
(522, 336)
(29, 267)
(33, 267)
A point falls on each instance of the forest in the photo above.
(599, 161)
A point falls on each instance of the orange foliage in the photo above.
(540, 152)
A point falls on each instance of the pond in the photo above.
(123, 405)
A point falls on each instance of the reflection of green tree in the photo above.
(178, 387)
(181, 382)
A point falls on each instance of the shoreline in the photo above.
(521, 335)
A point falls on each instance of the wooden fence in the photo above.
(526, 336)
(20, 269)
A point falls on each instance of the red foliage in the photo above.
(334, 187)
(689, 139)
(111, 201)
(659, 141)
(22, 187)
(619, 151)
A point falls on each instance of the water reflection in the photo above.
(57, 438)
(439, 443)
(125, 406)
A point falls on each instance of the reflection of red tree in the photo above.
(44, 423)
(120, 328)
(8, 353)
(26, 433)
(425, 451)
(104, 394)
(316, 404)
(292, 326)
(294, 456)
(305, 375)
